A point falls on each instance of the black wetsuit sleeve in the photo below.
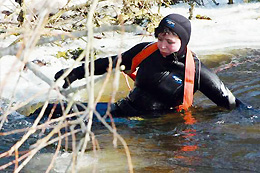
(212, 87)
(102, 64)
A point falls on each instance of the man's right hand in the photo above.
(68, 80)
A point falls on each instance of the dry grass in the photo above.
(30, 33)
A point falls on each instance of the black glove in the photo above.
(68, 80)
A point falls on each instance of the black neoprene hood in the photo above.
(178, 24)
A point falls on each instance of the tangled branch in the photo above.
(68, 120)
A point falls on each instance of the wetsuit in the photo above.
(159, 82)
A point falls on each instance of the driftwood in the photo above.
(14, 48)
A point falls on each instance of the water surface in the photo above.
(213, 140)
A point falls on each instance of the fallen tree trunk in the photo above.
(13, 48)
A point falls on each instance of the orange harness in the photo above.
(189, 73)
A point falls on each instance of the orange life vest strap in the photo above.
(147, 51)
(189, 73)
(188, 81)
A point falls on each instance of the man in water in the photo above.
(168, 73)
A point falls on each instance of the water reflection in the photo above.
(188, 143)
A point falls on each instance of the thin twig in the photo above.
(55, 155)
(129, 158)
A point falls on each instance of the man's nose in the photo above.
(163, 44)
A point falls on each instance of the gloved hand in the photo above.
(68, 80)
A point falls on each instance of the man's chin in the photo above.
(164, 54)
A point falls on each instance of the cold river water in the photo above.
(217, 140)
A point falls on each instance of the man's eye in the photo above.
(171, 42)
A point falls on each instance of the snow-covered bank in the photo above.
(232, 26)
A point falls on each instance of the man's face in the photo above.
(168, 43)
